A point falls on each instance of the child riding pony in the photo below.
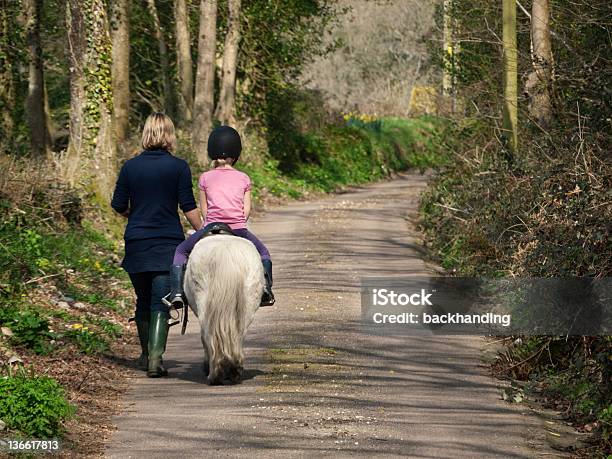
(225, 197)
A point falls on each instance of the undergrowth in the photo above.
(59, 281)
(39, 244)
(32, 405)
(535, 215)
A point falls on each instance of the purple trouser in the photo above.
(184, 249)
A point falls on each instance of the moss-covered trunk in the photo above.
(121, 67)
(36, 116)
(225, 108)
(184, 61)
(90, 162)
(510, 112)
(203, 104)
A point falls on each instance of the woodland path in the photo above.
(315, 385)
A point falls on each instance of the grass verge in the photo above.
(360, 150)
(63, 333)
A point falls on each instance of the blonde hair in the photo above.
(158, 133)
(222, 162)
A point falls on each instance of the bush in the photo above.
(87, 341)
(534, 215)
(33, 405)
(29, 327)
(42, 233)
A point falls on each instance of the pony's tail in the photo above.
(225, 322)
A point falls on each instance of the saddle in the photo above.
(216, 228)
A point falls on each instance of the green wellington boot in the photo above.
(143, 336)
(158, 335)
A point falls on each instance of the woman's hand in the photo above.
(194, 218)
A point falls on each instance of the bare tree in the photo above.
(510, 112)
(51, 128)
(225, 107)
(158, 31)
(90, 160)
(184, 61)
(120, 34)
(382, 56)
(451, 62)
(75, 26)
(447, 77)
(204, 100)
(35, 99)
(539, 82)
(7, 87)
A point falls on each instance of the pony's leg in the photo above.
(205, 363)
(213, 370)
(217, 369)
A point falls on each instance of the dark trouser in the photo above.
(150, 288)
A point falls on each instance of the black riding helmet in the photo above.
(224, 142)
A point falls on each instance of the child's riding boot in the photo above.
(176, 297)
(158, 335)
(267, 298)
(143, 336)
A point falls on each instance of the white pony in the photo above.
(224, 282)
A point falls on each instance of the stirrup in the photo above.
(173, 311)
(178, 315)
(176, 303)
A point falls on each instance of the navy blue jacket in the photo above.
(152, 186)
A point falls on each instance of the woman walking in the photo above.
(149, 190)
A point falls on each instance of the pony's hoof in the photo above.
(231, 376)
(235, 375)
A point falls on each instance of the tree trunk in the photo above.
(225, 108)
(90, 161)
(539, 82)
(451, 48)
(51, 129)
(76, 53)
(120, 34)
(158, 31)
(447, 77)
(35, 99)
(203, 104)
(184, 62)
(510, 115)
(7, 87)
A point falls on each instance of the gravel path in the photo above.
(316, 385)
